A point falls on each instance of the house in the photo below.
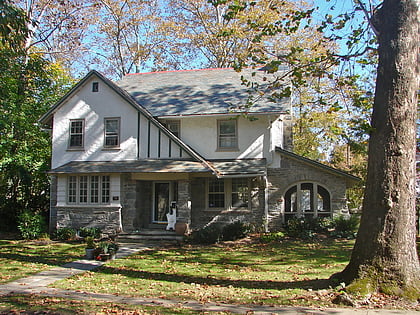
(126, 154)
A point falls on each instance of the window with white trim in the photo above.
(307, 200)
(85, 189)
(76, 136)
(227, 134)
(230, 193)
(112, 132)
(174, 126)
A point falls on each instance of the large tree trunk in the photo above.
(385, 249)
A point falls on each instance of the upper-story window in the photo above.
(174, 126)
(227, 134)
(77, 130)
(95, 86)
(112, 132)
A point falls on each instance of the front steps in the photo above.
(149, 235)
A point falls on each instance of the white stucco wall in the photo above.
(93, 107)
(255, 138)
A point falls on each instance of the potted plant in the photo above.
(107, 250)
(90, 247)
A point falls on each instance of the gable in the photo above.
(142, 136)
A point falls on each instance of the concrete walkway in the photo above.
(38, 285)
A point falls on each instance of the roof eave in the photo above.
(350, 179)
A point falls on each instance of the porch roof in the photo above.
(137, 166)
(224, 168)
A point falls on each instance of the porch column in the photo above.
(184, 202)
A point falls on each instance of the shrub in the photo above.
(65, 234)
(271, 237)
(307, 227)
(235, 230)
(345, 226)
(209, 234)
(31, 225)
(90, 231)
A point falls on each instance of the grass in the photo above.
(32, 304)
(19, 258)
(280, 273)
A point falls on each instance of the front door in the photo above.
(162, 195)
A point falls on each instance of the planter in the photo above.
(90, 253)
(105, 257)
(181, 228)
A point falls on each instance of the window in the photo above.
(174, 126)
(307, 200)
(228, 193)
(112, 132)
(95, 86)
(76, 134)
(86, 189)
(227, 134)
(240, 192)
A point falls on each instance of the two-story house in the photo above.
(125, 154)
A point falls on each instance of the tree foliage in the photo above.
(28, 86)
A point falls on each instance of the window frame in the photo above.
(112, 134)
(294, 195)
(74, 134)
(173, 122)
(234, 147)
(228, 192)
(82, 186)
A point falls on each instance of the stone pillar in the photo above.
(184, 202)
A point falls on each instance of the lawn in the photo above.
(19, 258)
(280, 273)
(32, 304)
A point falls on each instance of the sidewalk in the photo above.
(38, 285)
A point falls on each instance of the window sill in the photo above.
(75, 149)
(98, 205)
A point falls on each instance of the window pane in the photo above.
(240, 192)
(227, 134)
(94, 189)
(216, 193)
(76, 133)
(72, 189)
(112, 131)
(105, 189)
(83, 189)
(324, 202)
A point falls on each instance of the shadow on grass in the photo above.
(315, 284)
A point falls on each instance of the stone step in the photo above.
(156, 235)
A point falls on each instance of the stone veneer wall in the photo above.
(184, 202)
(105, 218)
(292, 173)
(130, 220)
(201, 216)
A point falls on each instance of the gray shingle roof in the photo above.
(194, 92)
(251, 167)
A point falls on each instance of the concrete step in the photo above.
(155, 235)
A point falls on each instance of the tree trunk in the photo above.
(385, 250)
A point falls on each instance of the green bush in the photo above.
(272, 237)
(210, 234)
(307, 227)
(31, 225)
(345, 227)
(235, 230)
(90, 231)
(65, 234)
